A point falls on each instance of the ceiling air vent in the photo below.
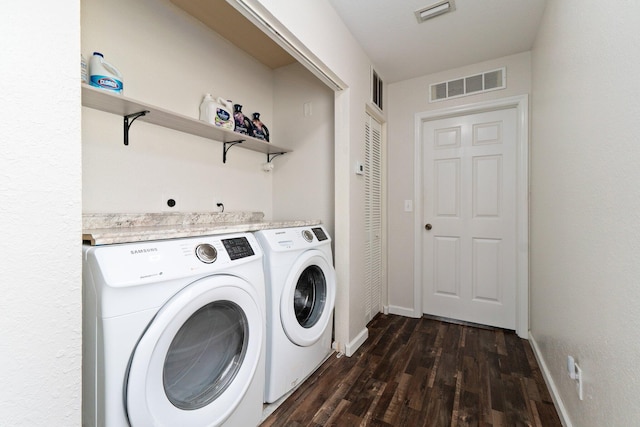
(434, 10)
(471, 85)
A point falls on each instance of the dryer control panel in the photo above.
(131, 264)
(238, 247)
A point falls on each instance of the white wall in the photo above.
(585, 228)
(320, 30)
(40, 255)
(170, 59)
(406, 99)
(303, 179)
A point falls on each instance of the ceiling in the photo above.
(233, 26)
(477, 30)
(399, 47)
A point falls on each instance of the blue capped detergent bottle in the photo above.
(104, 75)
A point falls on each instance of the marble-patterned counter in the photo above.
(110, 228)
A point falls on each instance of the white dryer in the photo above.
(301, 289)
(173, 333)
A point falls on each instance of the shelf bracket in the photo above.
(271, 156)
(225, 148)
(127, 123)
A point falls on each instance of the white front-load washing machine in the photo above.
(174, 333)
(301, 289)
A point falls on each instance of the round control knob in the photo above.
(308, 236)
(206, 253)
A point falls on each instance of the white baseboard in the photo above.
(355, 344)
(402, 311)
(546, 374)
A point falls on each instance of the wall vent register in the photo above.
(470, 85)
(377, 87)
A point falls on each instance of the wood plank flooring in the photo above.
(424, 372)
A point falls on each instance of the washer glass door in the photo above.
(198, 356)
(308, 297)
(205, 355)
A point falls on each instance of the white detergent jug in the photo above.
(104, 75)
(216, 112)
(207, 109)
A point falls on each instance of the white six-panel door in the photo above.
(469, 218)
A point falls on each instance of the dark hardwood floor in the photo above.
(424, 372)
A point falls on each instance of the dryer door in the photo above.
(308, 298)
(194, 363)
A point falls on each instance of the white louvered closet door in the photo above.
(373, 216)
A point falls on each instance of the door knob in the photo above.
(428, 227)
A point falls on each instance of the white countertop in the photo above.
(105, 229)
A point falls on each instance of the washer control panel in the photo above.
(320, 234)
(294, 238)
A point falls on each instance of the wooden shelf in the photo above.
(121, 105)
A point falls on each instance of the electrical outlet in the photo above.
(307, 108)
(571, 367)
(575, 373)
(579, 381)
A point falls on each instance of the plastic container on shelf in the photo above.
(84, 69)
(104, 75)
(216, 112)
(243, 124)
(207, 108)
(260, 131)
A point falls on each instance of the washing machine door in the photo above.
(194, 363)
(308, 298)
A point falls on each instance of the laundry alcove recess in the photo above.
(131, 110)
